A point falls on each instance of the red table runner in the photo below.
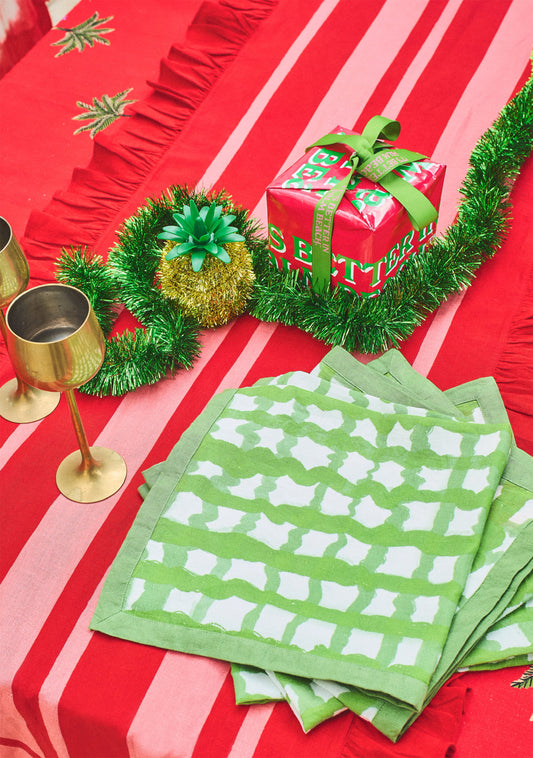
(225, 95)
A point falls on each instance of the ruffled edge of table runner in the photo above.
(79, 215)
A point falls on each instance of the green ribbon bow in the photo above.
(374, 160)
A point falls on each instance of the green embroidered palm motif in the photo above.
(83, 35)
(102, 113)
(526, 680)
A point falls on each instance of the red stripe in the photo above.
(222, 725)
(439, 88)
(388, 83)
(96, 694)
(283, 736)
(35, 464)
(289, 349)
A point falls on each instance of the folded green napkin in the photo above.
(313, 530)
(508, 641)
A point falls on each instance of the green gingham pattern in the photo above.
(508, 640)
(508, 634)
(252, 685)
(318, 530)
(310, 700)
(392, 377)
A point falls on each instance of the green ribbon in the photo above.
(374, 160)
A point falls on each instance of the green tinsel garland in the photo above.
(449, 263)
(338, 318)
(168, 339)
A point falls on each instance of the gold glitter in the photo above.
(214, 295)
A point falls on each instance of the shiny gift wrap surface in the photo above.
(372, 237)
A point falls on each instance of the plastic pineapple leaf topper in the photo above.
(199, 232)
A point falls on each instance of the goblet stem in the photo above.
(55, 340)
(88, 463)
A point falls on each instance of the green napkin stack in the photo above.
(346, 538)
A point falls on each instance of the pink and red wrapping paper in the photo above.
(372, 235)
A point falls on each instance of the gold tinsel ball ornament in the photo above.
(206, 268)
(214, 295)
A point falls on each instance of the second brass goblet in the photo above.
(19, 402)
(56, 344)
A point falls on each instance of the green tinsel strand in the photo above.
(131, 362)
(176, 335)
(446, 267)
(88, 273)
(169, 341)
(339, 318)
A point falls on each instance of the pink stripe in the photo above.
(251, 730)
(480, 104)
(236, 138)
(420, 61)
(186, 685)
(436, 334)
(248, 356)
(14, 728)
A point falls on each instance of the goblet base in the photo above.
(30, 405)
(95, 484)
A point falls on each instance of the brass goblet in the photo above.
(18, 401)
(57, 344)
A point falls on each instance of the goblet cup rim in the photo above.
(4, 220)
(27, 293)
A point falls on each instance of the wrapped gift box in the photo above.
(373, 235)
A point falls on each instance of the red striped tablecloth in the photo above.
(226, 95)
